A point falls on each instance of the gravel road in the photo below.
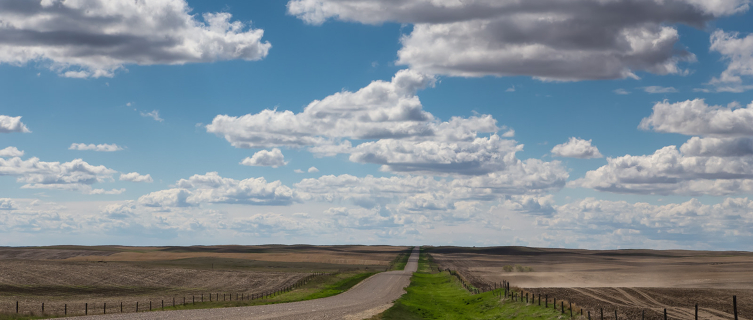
(366, 299)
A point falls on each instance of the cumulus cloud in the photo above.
(550, 40)
(722, 224)
(136, 177)
(621, 91)
(98, 147)
(313, 169)
(738, 52)
(12, 124)
(695, 117)
(266, 158)
(72, 175)
(380, 110)
(576, 148)
(212, 188)
(659, 89)
(10, 152)
(480, 156)
(7, 204)
(403, 137)
(669, 171)
(82, 39)
(154, 114)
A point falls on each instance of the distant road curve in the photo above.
(364, 300)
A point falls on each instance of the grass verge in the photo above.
(401, 260)
(320, 287)
(439, 295)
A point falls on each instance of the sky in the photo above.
(594, 124)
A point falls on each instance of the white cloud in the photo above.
(695, 117)
(380, 110)
(154, 115)
(738, 52)
(7, 204)
(549, 39)
(99, 147)
(73, 175)
(212, 188)
(718, 225)
(659, 89)
(103, 191)
(576, 148)
(298, 171)
(480, 156)
(313, 169)
(668, 171)
(136, 177)
(509, 133)
(12, 124)
(10, 152)
(621, 91)
(510, 89)
(83, 39)
(266, 158)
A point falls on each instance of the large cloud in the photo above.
(725, 224)
(404, 137)
(380, 110)
(12, 124)
(669, 171)
(576, 148)
(738, 52)
(95, 38)
(695, 117)
(73, 175)
(212, 188)
(549, 39)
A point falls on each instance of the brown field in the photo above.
(629, 281)
(76, 275)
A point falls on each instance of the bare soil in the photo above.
(75, 276)
(631, 281)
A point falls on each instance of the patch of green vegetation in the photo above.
(401, 260)
(439, 295)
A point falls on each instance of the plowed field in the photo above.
(75, 276)
(630, 281)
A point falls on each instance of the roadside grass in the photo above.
(401, 260)
(439, 295)
(319, 287)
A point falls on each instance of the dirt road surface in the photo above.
(366, 299)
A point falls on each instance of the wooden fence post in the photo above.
(137, 306)
(104, 308)
(696, 311)
(121, 307)
(602, 313)
(546, 303)
(589, 314)
(665, 313)
(86, 308)
(734, 305)
(615, 314)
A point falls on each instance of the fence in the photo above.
(85, 308)
(505, 291)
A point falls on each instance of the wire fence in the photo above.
(143, 305)
(513, 294)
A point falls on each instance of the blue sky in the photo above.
(473, 123)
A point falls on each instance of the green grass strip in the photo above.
(440, 296)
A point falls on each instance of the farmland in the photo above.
(74, 276)
(630, 281)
